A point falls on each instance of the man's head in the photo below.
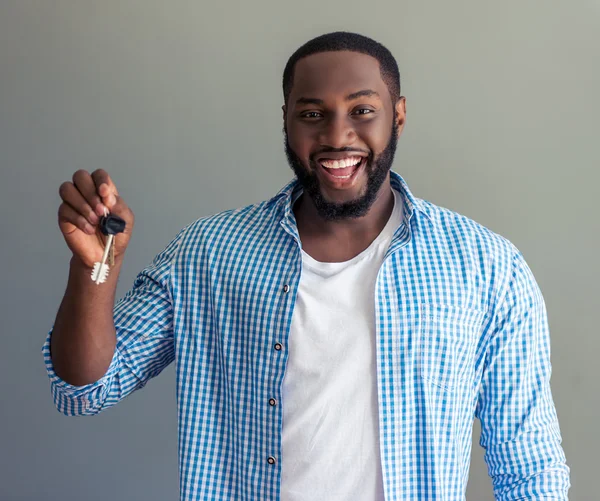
(343, 115)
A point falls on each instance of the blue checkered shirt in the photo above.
(461, 331)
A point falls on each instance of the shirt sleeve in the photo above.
(519, 425)
(144, 328)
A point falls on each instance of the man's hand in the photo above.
(83, 203)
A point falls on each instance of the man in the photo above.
(334, 342)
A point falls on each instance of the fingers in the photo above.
(86, 199)
(88, 189)
(110, 197)
(72, 197)
(69, 220)
(105, 188)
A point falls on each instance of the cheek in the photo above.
(377, 137)
(299, 142)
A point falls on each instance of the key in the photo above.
(111, 254)
(100, 271)
(109, 225)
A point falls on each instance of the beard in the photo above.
(376, 169)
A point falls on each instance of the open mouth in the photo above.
(342, 169)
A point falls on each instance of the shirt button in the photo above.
(286, 288)
(272, 402)
(278, 346)
(271, 460)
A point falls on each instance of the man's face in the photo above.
(341, 131)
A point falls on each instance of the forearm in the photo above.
(532, 467)
(83, 338)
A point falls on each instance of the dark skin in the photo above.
(339, 100)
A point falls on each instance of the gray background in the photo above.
(180, 102)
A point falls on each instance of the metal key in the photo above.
(109, 225)
(111, 254)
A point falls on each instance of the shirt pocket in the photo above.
(449, 336)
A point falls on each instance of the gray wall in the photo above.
(180, 102)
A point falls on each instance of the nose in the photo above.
(337, 132)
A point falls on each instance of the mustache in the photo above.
(329, 149)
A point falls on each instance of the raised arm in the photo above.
(98, 352)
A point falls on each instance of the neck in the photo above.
(345, 238)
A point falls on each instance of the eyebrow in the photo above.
(349, 97)
(362, 93)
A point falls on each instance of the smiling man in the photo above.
(334, 342)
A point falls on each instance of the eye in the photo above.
(310, 114)
(362, 111)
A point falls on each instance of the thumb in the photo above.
(117, 206)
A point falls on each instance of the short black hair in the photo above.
(343, 40)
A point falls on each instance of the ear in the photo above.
(400, 117)
(284, 130)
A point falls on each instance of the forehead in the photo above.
(336, 74)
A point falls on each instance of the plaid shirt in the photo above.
(461, 331)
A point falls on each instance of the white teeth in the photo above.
(341, 164)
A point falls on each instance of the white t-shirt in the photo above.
(330, 441)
